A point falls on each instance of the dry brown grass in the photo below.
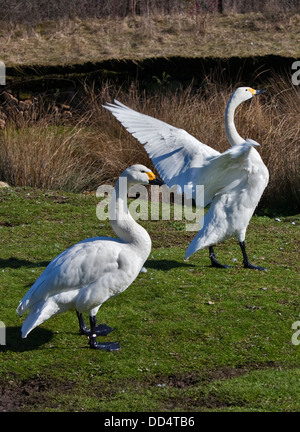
(78, 40)
(45, 156)
(97, 149)
(272, 120)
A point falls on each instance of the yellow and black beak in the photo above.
(256, 92)
(153, 180)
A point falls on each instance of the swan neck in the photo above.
(232, 134)
(123, 224)
(118, 209)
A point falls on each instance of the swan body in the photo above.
(233, 181)
(87, 274)
(233, 205)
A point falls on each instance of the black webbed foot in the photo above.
(98, 330)
(217, 264)
(254, 267)
(214, 261)
(246, 262)
(106, 346)
(102, 330)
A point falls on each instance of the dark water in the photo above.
(66, 83)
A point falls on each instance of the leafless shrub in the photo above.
(37, 11)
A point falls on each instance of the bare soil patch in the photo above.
(29, 394)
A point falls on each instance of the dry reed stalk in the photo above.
(44, 156)
(271, 120)
(97, 149)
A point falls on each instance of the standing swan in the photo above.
(87, 274)
(233, 181)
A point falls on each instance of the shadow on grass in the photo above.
(17, 263)
(166, 264)
(14, 341)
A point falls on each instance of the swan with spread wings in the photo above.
(233, 181)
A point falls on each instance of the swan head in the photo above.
(242, 94)
(140, 174)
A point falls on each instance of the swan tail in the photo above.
(199, 242)
(38, 313)
(32, 296)
(21, 308)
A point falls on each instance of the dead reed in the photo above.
(272, 120)
(97, 148)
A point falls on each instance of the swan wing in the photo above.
(176, 154)
(227, 171)
(76, 267)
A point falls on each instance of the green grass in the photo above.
(193, 338)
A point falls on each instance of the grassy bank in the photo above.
(78, 40)
(193, 338)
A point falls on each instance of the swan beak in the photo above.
(256, 92)
(151, 175)
(153, 180)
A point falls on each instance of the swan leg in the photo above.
(214, 261)
(99, 330)
(82, 327)
(246, 262)
(107, 346)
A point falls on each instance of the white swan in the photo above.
(87, 274)
(233, 181)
